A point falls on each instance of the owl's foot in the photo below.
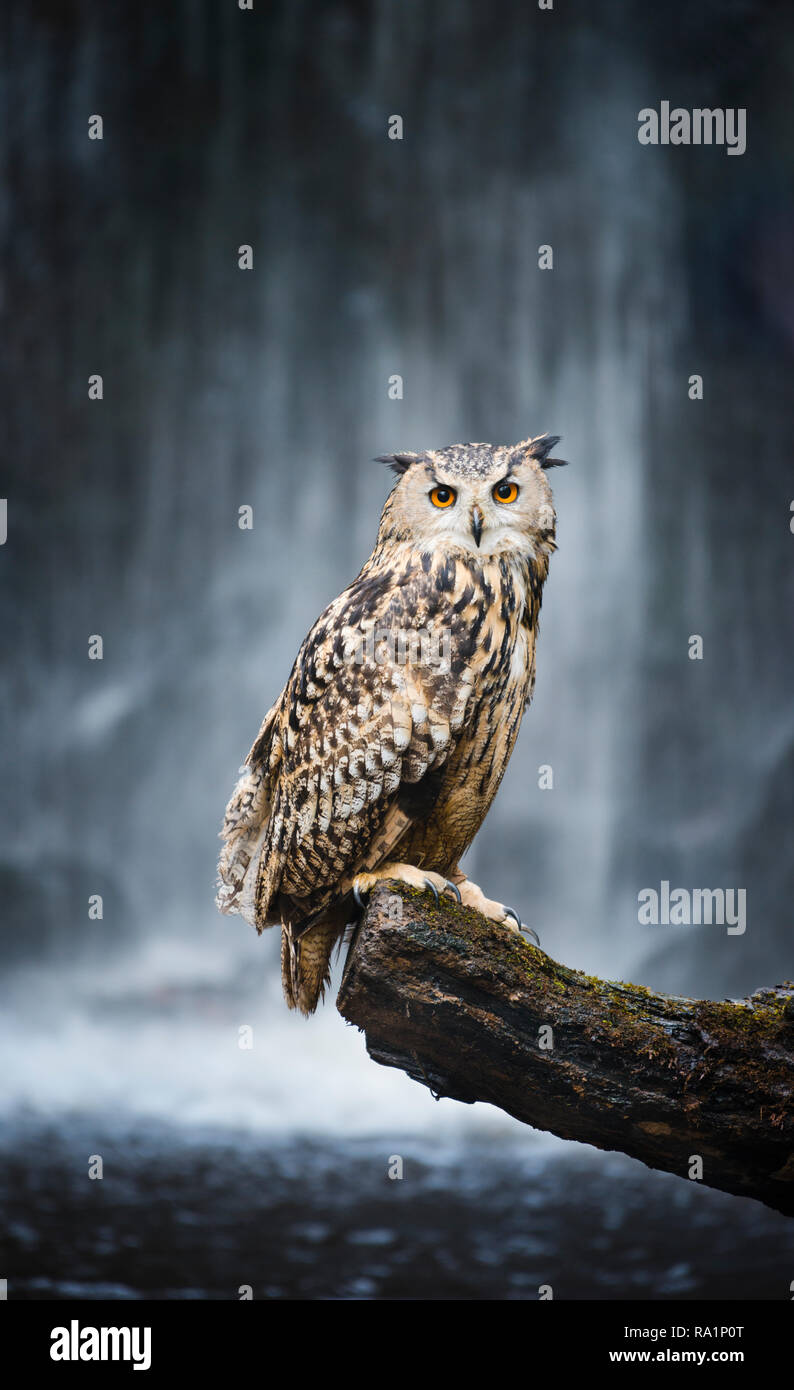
(472, 896)
(424, 879)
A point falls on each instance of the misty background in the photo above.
(269, 388)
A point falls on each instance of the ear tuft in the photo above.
(398, 463)
(540, 449)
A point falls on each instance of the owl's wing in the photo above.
(247, 815)
(353, 725)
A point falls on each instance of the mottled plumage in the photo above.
(392, 734)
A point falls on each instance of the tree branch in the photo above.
(460, 1004)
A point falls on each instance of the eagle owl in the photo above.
(385, 749)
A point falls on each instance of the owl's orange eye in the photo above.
(505, 492)
(442, 496)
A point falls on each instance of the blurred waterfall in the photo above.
(269, 388)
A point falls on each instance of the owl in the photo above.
(386, 747)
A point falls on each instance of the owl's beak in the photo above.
(477, 520)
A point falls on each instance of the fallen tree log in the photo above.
(476, 1013)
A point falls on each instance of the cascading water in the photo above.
(225, 388)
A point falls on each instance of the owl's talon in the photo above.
(430, 884)
(360, 902)
(453, 887)
(522, 926)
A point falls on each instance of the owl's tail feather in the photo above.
(306, 962)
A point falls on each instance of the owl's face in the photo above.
(474, 497)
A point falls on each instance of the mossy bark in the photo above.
(464, 1006)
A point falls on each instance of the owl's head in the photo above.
(482, 498)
